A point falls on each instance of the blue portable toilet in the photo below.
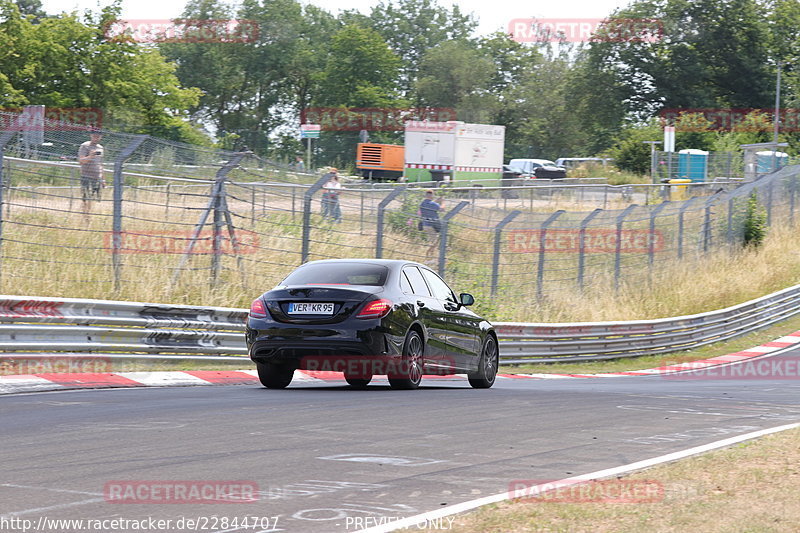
(769, 161)
(693, 164)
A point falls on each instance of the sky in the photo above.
(492, 16)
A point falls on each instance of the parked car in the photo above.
(538, 168)
(367, 317)
(572, 162)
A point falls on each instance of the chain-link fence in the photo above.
(182, 223)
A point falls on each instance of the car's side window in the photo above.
(440, 289)
(405, 285)
(418, 285)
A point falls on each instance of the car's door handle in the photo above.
(420, 303)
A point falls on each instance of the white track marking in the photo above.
(412, 521)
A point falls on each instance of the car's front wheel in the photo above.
(274, 376)
(484, 377)
(409, 375)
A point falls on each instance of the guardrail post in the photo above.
(681, 212)
(381, 210)
(651, 240)
(542, 241)
(582, 245)
(119, 183)
(216, 190)
(4, 140)
(618, 251)
(307, 197)
(498, 230)
(443, 234)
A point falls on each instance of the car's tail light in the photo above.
(257, 309)
(376, 309)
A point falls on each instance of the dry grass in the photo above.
(751, 487)
(75, 263)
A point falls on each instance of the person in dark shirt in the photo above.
(429, 219)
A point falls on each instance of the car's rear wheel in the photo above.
(274, 376)
(409, 375)
(359, 381)
(484, 377)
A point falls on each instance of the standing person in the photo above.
(429, 219)
(330, 198)
(90, 158)
(299, 165)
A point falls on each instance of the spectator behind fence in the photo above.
(429, 220)
(90, 158)
(330, 198)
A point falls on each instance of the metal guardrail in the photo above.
(121, 330)
(129, 330)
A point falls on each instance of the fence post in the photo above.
(216, 235)
(119, 183)
(443, 234)
(582, 244)
(307, 197)
(651, 241)
(498, 230)
(542, 236)
(707, 221)
(682, 210)
(381, 209)
(729, 231)
(770, 187)
(212, 202)
(618, 251)
(4, 140)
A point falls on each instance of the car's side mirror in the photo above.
(466, 299)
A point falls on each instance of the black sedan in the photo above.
(367, 317)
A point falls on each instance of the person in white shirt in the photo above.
(90, 158)
(330, 198)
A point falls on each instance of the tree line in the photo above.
(556, 98)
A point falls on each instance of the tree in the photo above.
(412, 27)
(32, 8)
(361, 71)
(712, 53)
(67, 62)
(455, 75)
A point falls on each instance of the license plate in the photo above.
(304, 308)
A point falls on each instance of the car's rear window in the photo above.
(338, 274)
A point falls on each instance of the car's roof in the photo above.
(385, 262)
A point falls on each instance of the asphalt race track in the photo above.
(322, 455)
